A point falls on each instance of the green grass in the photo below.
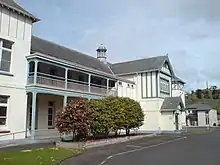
(41, 156)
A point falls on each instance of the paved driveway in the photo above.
(199, 149)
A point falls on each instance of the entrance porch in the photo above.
(41, 113)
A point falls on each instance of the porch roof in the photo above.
(171, 104)
(199, 107)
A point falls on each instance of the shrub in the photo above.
(114, 113)
(134, 115)
(75, 118)
(100, 122)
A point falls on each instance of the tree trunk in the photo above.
(127, 132)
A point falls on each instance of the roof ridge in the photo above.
(139, 59)
(66, 47)
(19, 8)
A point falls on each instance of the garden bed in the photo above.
(103, 137)
(44, 156)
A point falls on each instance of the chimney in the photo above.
(101, 53)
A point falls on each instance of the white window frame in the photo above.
(7, 107)
(9, 50)
(53, 111)
(163, 91)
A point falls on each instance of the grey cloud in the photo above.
(198, 36)
(187, 9)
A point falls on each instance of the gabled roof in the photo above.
(51, 49)
(199, 107)
(171, 104)
(11, 4)
(146, 64)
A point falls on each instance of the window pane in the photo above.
(7, 44)
(6, 55)
(50, 117)
(2, 121)
(3, 111)
(50, 110)
(3, 99)
(50, 123)
(5, 65)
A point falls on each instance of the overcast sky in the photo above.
(188, 30)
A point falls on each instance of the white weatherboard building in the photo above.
(38, 77)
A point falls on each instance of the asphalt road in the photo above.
(198, 149)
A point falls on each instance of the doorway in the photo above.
(177, 121)
(51, 114)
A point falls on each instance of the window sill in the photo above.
(4, 131)
(6, 73)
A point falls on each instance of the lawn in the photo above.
(41, 156)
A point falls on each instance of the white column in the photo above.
(33, 117)
(107, 85)
(64, 101)
(35, 71)
(89, 82)
(66, 78)
(28, 67)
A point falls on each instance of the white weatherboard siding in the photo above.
(15, 28)
(166, 69)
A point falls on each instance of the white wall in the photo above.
(127, 89)
(17, 29)
(151, 109)
(167, 121)
(149, 84)
(213, 117)
(42, 109)
(201, 118)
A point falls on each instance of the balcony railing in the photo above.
(72, 85)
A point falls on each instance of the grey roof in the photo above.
(146, 64)
(51, 49)
(199, 107)
(11, 4)
(171, 103)
(177, 79)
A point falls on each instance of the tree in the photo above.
(218, 106)
(75, 118)
(199, 93)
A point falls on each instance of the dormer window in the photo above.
(5, 55)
